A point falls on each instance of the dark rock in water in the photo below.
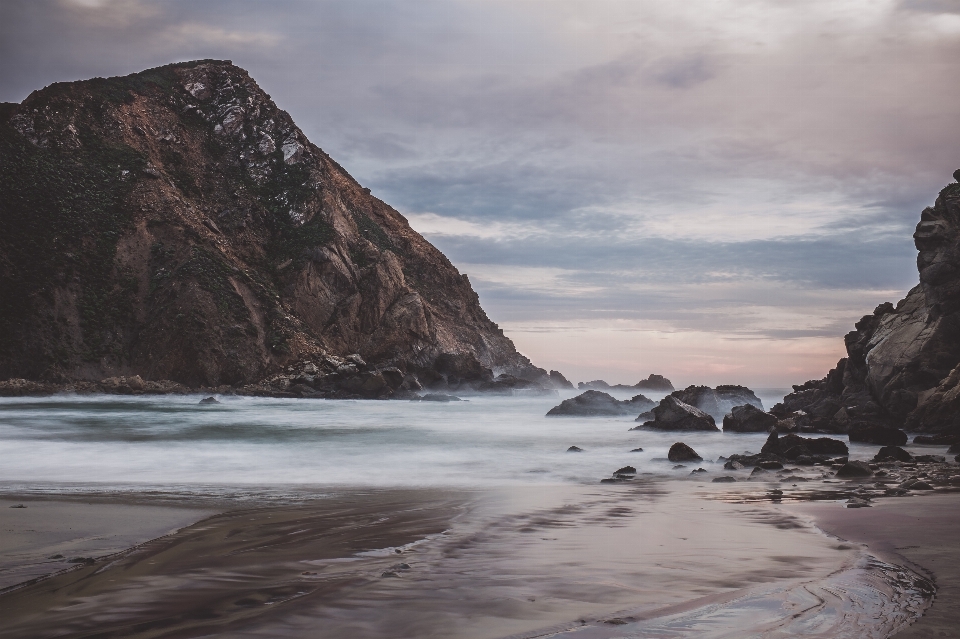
(855, 469)
(733, 464)
(596, 403)
(673, 414)
(637, 450)
(209, 400)
(877, 434)
(657, 383)
(719, 401)
(597, 384)
(726, 479)
(436, 397)
(574, 449)
(748, 419)
(680, 452)
(626, 470)
(930, 459)
(893, 452)
(697, 471)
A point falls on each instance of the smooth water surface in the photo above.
(173, 440)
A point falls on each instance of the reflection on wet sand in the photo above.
(646, 559)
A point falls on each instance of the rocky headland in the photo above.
(175, 229)
(901, 369)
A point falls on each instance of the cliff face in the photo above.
(899, 359)
(176, 224)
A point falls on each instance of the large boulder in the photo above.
(719, 401)
(597, 403)
(680, 452)
(749, 419)
(877, 434)
(673, 414)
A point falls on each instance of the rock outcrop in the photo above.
(177, 225)
(748, 419)
(901, 360)
(673, 414)
(657, 383)
(718, 402)
(596, 403)
(653, 383)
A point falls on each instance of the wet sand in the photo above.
(47, 535)
(648, 559)
(920, 531)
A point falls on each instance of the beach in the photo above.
(646, 559)
(161, 517)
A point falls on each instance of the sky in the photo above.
(713, 190)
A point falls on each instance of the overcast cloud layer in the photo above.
(713, 190)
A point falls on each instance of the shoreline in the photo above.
(918, 532)
(530, 562)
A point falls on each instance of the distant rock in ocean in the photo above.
(902, 368)
(653, 383)
(596, 403)
(657, 383)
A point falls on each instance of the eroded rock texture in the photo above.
(900, 359)
(178, 225)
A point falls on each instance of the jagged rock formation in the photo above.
(177, 225)
(673, 414)
(597, 403)
(655, 383)
(901, 361)
(718, 402)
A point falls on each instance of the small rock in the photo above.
(626, 470)
(726, 479)
(18, 506)
(574, 449)
(209, 400)
(698, 470)
(389, 573)
(637, 450)
(893, 452)
(855, 469)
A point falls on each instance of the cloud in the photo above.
(746, 169)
